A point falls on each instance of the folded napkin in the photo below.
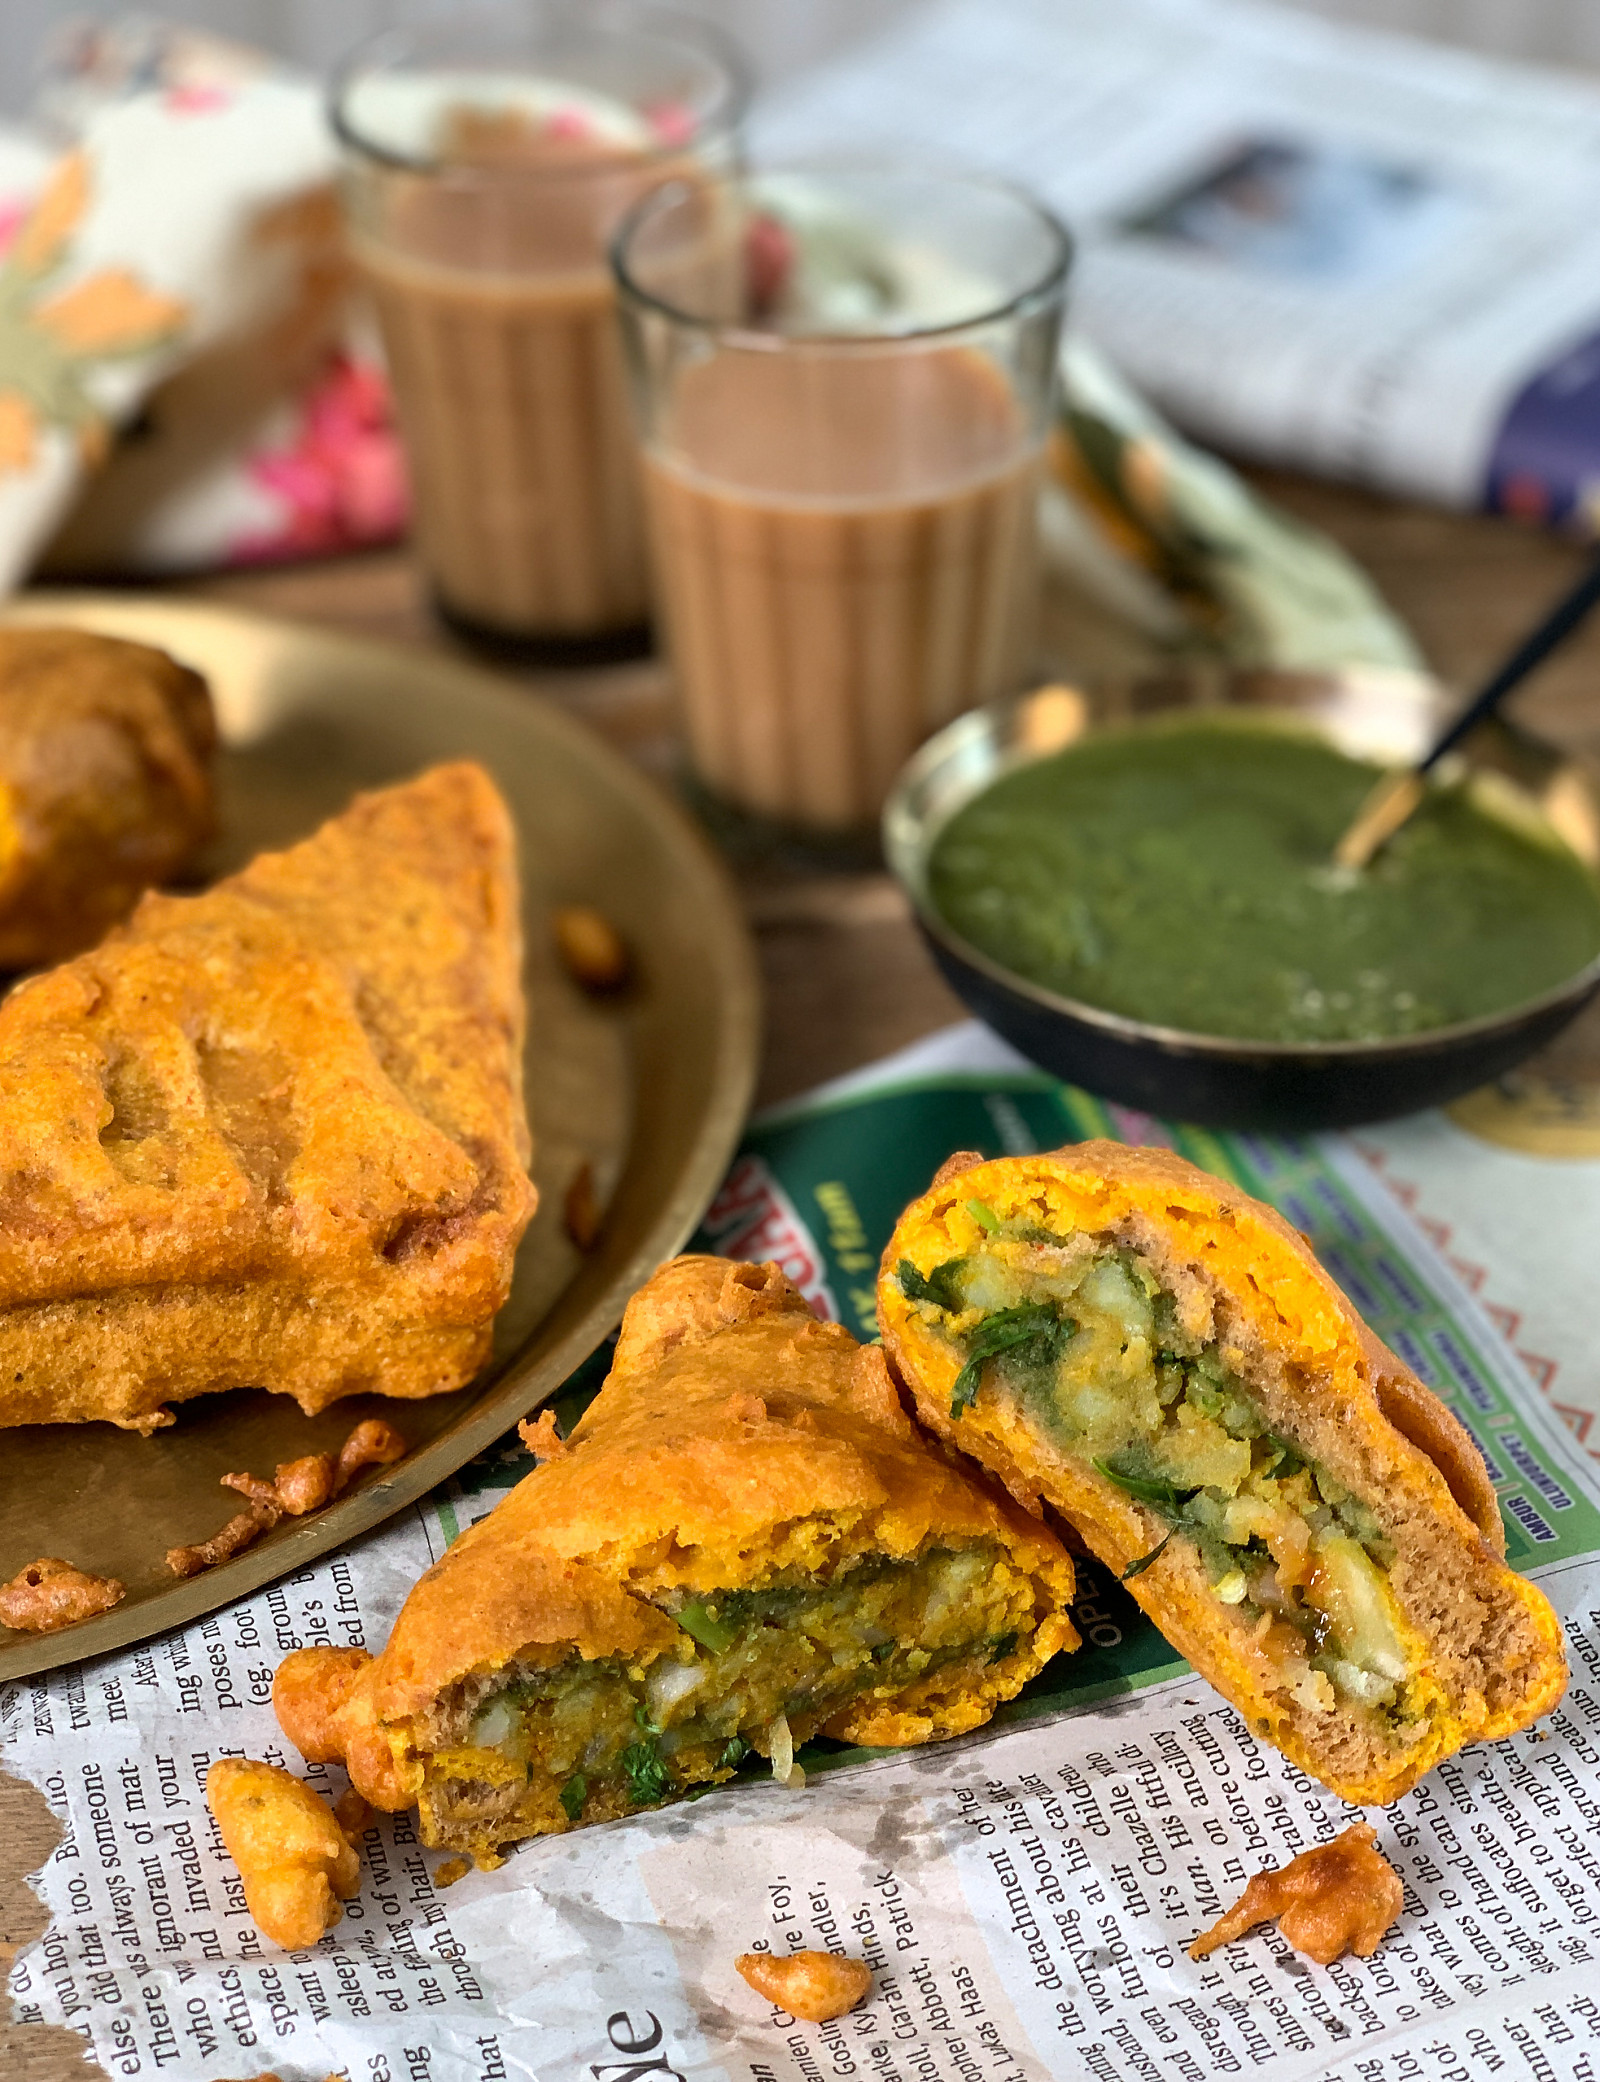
(184, 383)
(1166, 535)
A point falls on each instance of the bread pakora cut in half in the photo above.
(274, 1135)
(744, 1542)
(1160, 1359)
(105, 784)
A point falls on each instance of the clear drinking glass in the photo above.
(487, 160)
(843, 377)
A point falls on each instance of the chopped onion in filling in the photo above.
(781, 1750)
(669, 1684)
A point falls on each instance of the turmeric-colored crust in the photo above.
(1490, 1643)
(273, 1135)
(105, 784)
(296, 1861)
(736, 1441)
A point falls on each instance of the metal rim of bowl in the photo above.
(910, 834)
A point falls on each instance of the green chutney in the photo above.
(1180, 874)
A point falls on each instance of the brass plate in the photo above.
(652, 1089)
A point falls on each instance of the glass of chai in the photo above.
(487, 160)
(844, 378)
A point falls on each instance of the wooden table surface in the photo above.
(846, 976)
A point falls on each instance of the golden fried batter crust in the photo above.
(1493, 1646)
(105, 784)
(1337, 1897)
(296, 1861)
(817, 1986)
(274, 1135)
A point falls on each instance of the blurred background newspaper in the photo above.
(1312, 244)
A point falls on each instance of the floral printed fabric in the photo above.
(176, 277)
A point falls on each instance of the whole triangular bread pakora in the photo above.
(274, 1135)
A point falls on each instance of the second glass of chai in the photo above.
(487, 160)
(844, 378)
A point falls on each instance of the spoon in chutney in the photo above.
(1394, 798)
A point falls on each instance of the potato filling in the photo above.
(1092, 1348)
(753, 1670)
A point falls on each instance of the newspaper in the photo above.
(1024, 1896)
(1313, 244)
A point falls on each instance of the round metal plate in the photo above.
(652, 1089)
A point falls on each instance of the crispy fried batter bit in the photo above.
(297, 1486)
(256, 1492)
(590, 947)
(581, 1211)
(311, 1686)
(304, 1485)
(816, 1986)
(542, 1436)
(296, 1862)
(1340, 1897)
(449, 1870)
(352, 1813)
(238, 1534)
(52, 1593)
(372, 1444)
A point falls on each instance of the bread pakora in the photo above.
(105, 784)
(744, 1542)
(1160, 1359)
(274, 1135)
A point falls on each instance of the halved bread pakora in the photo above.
(274, 1135)
(1160, 1358)
(745, 1541)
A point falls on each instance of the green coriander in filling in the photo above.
(754, 1669)
(1086, 1343)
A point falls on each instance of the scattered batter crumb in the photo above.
(257, 1492)
(305, 1484)
(352, 1813)
(296, 1862)
(371, 1444)
(239, 1533)
(542, 1436)
(816, 1986)
(581, 1211)
(591, 948)
(310, 1688)
(52, 1593)
(449, 1870)
(1340, 1897)
(297, 1487)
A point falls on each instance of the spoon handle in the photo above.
(1534, 648)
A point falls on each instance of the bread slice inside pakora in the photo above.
(744, 1542)
(1160, 1359)
(274, 1136)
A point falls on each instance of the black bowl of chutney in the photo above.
(1132, 883)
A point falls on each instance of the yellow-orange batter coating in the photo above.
(105, 784)
(1337, 1897)
(744, 1541)
(1158, 1357)
(296, 1862)
(817, 1986)
(273, 1136)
